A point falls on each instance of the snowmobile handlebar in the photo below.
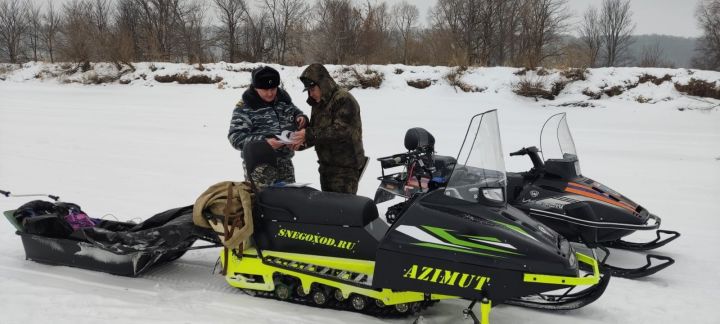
(533, 152)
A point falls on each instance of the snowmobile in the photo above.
(464, 241)
(553, 192)
(583, 210)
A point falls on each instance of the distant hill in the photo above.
(678, 51)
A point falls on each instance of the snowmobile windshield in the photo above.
(556, 142)
(479, 175)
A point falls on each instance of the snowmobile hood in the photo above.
(499, 237)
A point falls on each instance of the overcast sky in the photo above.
(669, 17)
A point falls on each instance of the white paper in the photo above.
(284, 137)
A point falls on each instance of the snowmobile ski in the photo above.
(651, 245)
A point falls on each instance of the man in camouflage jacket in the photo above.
(265, 111)
(335, 130)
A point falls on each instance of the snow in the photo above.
(138, 149)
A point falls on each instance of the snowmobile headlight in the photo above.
(572, 260)
(495, 194)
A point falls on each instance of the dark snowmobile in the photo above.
(583, 210)
(553, 192)
(464, 241)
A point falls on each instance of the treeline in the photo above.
(522, 33)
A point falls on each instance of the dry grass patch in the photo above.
(454, 78)
(699, 88)
(574, 74)
(370, 79)
(183, 78)
(419, 84)
(655, 80)
(532, 88)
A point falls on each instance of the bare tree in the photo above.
(591, 36)
(160, 23)
(127, 46)
(230, 13)
(405, 22)
(13, 25)
(194, 40)
(487, 31)
(77, 32)
(508, 30)
(617, 28)
(254, 42)
(335, 31)
(33, 14)
(50, 29)
(708, 47)
(374, 34)
(542, 23)
(457, 18)
(100, 14)
(286, 16)
(652, 56)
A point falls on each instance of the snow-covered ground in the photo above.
(138, 149)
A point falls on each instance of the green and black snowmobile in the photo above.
(461, 241)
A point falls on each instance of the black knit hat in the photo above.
(265, 77)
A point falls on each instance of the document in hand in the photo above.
(284, 137)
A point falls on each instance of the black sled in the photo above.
(119, 248)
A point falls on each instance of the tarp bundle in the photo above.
(226, 207)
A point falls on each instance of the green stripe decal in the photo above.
(513, 227)
(447, 237)
(456, 249)
(483, 238)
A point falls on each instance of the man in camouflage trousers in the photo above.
(335, 130)
(264, 112)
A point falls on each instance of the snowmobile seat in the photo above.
(308, 205)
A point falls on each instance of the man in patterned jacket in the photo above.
(264, 112)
